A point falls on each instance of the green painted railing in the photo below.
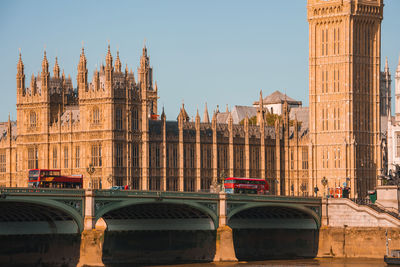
(244, 197)
(42, 191)
(154, 194)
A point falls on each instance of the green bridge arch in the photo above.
(46, 202)
(137, 201)
(298, 207)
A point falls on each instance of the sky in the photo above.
(220, 52)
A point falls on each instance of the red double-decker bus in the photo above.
(45, 178)
(235, 185)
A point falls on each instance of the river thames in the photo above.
(280, 263)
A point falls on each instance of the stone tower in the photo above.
(344, 71)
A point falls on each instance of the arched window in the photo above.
(96, 115)
(119, 119)
(32, 119)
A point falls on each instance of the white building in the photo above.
(393, 132)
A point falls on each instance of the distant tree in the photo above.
(270, 119)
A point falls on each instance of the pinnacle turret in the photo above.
(56, 69)
(45, 63)
(109, 57)
(20, 65)
(117, 63)
(206, 118)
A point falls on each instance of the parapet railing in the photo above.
(41, 191)
(377, 207)
(153, 194)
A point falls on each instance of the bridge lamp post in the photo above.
(222, 178)
(303, 188)
(324, 182)
(90, 171)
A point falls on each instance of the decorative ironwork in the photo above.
(75, 204)
(232, 206)
(101, 204)
(211, 206)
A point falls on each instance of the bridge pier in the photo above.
(224, 248)
(92, 239)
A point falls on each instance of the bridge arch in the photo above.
(190, 208)
(287, 207)
(48, 210)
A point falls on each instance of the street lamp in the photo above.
(324, 182)
(222, 178)
(303, 188)
(90, 170)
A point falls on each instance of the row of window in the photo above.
(325, 38)
(304, 158)
(326, 157)
(333, 84)
(96, 157)
(325, 119)
(96, 118)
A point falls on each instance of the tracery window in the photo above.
(96, 115)
(96, 155)
(65, 157)
(55, 157)
(33, 158)
(119, 119)
(119, 155)
(77, 157)
(3, 161)
(304, 157)
(32, 119)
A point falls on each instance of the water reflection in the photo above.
(282, 263)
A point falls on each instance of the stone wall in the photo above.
(356, 242)
(344, 212)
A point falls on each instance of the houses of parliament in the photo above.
(113, 122)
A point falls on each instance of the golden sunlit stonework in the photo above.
(113, 123)
(344, 80)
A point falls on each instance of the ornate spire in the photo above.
(82, 60)
(197, 113)
(386, 65)
(183, 114)
(227, 108)
(206, 118)
(109, 57)
(163, 114)
(45, 63)
(117, 63)
(155, 86)
(56, 70)
(33, 85)
(20, 66)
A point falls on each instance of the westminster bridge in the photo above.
(223, 226)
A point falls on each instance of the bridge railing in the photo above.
(41, 191)
(153, 194)
(296, 199)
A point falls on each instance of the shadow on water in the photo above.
(135, 248)
(39, 250)
(264, 244)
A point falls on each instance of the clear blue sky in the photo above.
(219, 52)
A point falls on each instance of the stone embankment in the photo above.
(355, 231)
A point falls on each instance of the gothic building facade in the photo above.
(112, 122)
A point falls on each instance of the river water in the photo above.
(282, 263)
